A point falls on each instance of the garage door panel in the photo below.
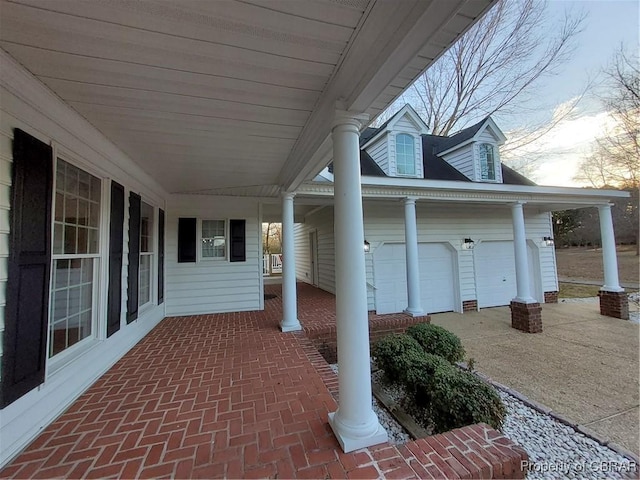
(496, 273)
(437, 275)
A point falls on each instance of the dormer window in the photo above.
(405, 154)
(487, 162)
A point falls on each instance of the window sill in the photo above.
(70, 355)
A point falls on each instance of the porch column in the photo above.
(523, 294)
(613, 300)
(289, 321)
(414, 307)
(526, 313)
(354, 423)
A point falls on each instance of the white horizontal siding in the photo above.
(462, 160)
(384, 223)
(486, 137)
(213, 286)
(404, 123)
(303, 254)
(379, 151)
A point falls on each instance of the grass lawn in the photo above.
(573, 290)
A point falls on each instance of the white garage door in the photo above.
(496, 273)
(437, 280)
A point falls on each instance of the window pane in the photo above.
(405, 155)
(71, 303)
(144, 296)
(213, 239)
(74, 209)
(146, 228)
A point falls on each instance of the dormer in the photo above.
(397, 145)
(474, 151)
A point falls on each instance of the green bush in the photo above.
(438, 341)
(459, 398)
(395, 354)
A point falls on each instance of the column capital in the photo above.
(287, 195)
(605, 206)
(345, 118)
(409, 200)
(518, 204)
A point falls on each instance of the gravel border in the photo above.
(544, 410)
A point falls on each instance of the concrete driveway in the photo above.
(583, 366)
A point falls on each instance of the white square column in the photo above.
(354, 423)
(290, 320)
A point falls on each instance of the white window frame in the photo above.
(200, 256)
(481, 147)
(152, 261)
(415, 167)
(55, 363)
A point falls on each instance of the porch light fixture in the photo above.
(548, 241)
(468, 244)
(367, 247)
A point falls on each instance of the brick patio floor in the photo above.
(228, 395)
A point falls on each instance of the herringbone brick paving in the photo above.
(228, 395)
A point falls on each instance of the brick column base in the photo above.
(526, 317)
(614, 304)
(470, 306)
(551, 297)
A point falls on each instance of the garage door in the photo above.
(496, 273)
(437, 280)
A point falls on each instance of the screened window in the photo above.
(405, 154)
(76, 234)
(146, 254)
(487, 162)
(214, 244)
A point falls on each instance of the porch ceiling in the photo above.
(226, 94)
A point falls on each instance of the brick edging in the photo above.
(539, 407)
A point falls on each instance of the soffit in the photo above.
(226, 94)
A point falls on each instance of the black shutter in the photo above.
(26, 318)
(238, 241)
(134, 257)
(116, 227)
(160, 256)
(186, 240)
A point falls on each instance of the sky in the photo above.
(609, 23)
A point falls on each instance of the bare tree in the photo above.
(615, 156)
(498, 61)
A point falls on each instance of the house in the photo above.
(141, 146)
(439, 221)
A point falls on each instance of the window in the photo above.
(76, 232)
(487, 162)
(405, 155)
(146, 254)
(214, 243)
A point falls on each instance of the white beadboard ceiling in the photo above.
(228, 96)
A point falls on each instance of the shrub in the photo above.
(395, 354)
(459, 398)
(438, 341)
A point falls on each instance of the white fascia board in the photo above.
(493, 187)
(499, 133)
(448, 191)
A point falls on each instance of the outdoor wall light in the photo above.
(468, 244)
(548, 241)
(367, 247)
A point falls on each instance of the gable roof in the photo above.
(435, 167)
(461, 137)
(407, 110)
(511, 177)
